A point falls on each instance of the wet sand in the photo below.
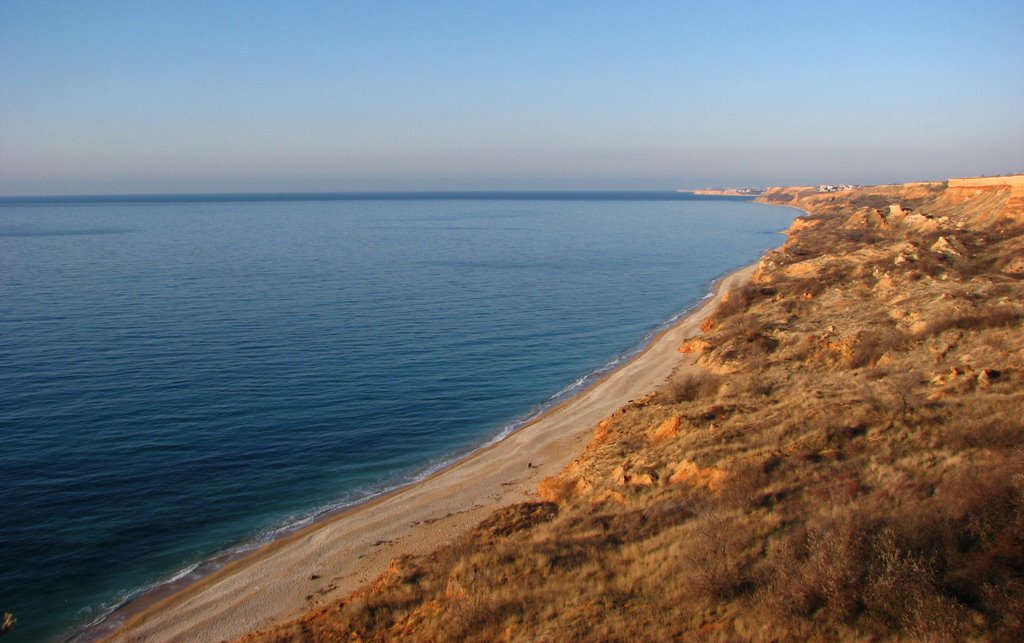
(336, 555)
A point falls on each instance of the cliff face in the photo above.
(851, 464)
(971, 201)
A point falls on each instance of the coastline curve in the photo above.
(343, 549)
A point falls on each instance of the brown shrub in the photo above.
(635, 525)
(862, 236)
(743, 487)
(714, 565)
(689, 387)
(982, 427)
(816, 573)
(797, 290)
(872, 344)
(995, 316)
(922, 571)
(903, 594)
(759, 344)
(518, 517)
(894, 398)
(734, 302)
(738, 301)
(779, 198)
(864, 199)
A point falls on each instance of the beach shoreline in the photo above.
(343, 550)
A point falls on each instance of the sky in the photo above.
(105, 97)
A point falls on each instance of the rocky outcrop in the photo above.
(949, 247)
(687, 472)
(666, 431)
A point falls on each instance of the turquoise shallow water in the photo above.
(185, 376)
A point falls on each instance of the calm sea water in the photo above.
(184, 376)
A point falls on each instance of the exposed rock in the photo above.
(666, 431)
(601, 432)
(642, 479)
(950, 247)
(555, 488)
(687, 472)
(802, 223)
(619, 475)
(867, 218)
(643, 400)
(622, 477)
(693, 345)
(582, 487)
(925, 224)
(838, 350)
(885, 282)
(719, 366)
(988, 375)
(905, 253)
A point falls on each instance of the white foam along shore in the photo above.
(344, 550)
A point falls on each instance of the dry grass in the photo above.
(851, 465)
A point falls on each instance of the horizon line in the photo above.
(382, 195)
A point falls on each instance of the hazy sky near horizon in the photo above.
(129, 97)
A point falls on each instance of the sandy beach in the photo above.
(332, 557)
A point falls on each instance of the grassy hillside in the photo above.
(850, 464)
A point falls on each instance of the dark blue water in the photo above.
(183, 376)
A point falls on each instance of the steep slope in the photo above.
(850, 464)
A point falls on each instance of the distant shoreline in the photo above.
(749, 193)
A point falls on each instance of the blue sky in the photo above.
(129, 97)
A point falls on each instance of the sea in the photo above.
(185, 377)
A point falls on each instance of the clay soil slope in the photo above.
(849, 464)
